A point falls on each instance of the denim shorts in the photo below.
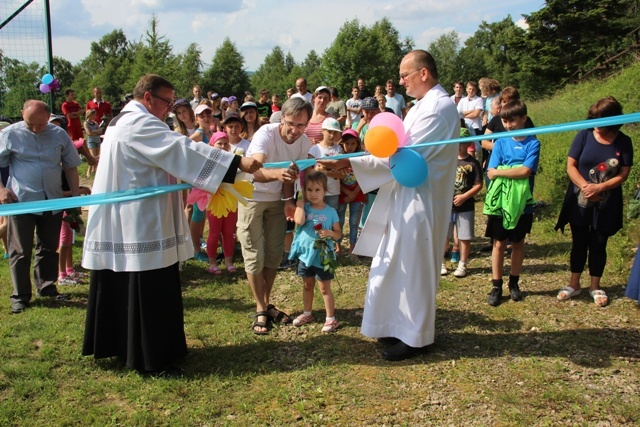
(304, 271)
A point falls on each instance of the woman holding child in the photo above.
(598, 164)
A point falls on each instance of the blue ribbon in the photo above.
(142, 193)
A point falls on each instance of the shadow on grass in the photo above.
(302, 348)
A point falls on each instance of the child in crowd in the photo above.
(313, 246)
(275, 103)
(203, 133)
(233, 106)
(290, 92)
(329, 146)
(93, 131)
(350, 193)
(224, 227)
(233, 127)
(509, 200)
(353, 108)
(467, 184)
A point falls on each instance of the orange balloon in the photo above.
(381, 141)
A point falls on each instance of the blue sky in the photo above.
(257, 26)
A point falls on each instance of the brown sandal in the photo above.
(281, 317)
(258, 324)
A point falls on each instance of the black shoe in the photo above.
(388, 340)
(486, 248)
(514, 290)
(402, 351)
(55, 295)
(495, 296)
(18, 306)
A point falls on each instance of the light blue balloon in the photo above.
(47, 79)
(408, 168)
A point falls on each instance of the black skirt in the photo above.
(137, 316)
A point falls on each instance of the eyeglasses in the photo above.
(168, 101)
(405, 75)
(300, 126)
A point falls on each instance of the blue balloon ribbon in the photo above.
(142, 193)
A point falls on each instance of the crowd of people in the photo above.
(295, 218)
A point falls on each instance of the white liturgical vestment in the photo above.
(140, 151)
(406, 229)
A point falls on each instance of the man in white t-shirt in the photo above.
(262, 222)
(301, 85)
(395, 101)
(471, 108)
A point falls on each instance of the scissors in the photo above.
(294, 167)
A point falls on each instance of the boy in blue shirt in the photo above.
(509, 200)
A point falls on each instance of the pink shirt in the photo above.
(314, 131)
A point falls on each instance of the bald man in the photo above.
(35, 150)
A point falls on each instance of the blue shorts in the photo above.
(319, 273)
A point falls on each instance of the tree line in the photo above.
(562, 37)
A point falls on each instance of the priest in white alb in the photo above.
(134, 248)
(406, 229)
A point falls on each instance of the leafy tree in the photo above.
(445, 51)
(567, 35)
(359, 51)
(227, 73)
(311, 70)
(20, 82)
(154, 56)
(289, 62)
(190, 70)
(108, 65)
(495, 50)
(272, 74)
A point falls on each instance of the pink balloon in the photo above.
(44, 88)
(392, 121)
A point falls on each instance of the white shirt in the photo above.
(268, 141)
(317, 151)
(474, 103)
(307, 96)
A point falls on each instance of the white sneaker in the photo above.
(461, 271)
(443, 270)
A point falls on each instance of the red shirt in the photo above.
(103, 108)
(75, 126)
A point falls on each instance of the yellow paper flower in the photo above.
(226, 199)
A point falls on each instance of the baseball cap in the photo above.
(200, 108)
(248, 105)
(217, 136)
(224, 99)
(232, 98)
(331, 124)
(231, 117)
(275, 117)
(350, 132)
(322, 89)
(370, 103)
(215, 96)
(180, 102)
